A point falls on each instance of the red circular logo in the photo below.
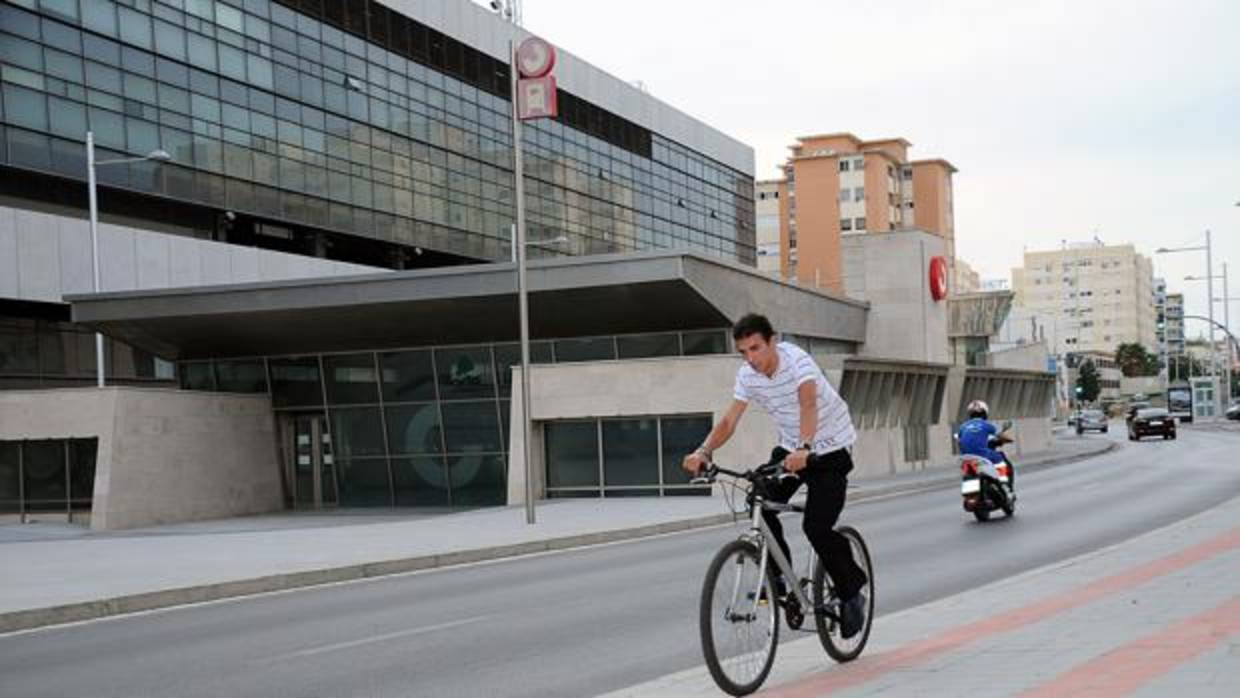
(535, 58)
(938, 278)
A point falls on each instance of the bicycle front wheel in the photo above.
(738, 619)
(839, 648)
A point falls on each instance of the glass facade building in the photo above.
(429, 426)
(337, 128)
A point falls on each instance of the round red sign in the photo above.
(938, 278)
(535, 58)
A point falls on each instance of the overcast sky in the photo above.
(1065, 119)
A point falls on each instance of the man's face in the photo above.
(758, 352)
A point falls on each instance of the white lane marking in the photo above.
(310, 651)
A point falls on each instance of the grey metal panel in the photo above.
(9, 268)
(244, 265)
(185, 260)
(216, 265)
(38, 257)
(117, 259)
(153, 254)
(76, 275)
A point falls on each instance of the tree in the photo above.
(1087, 383)
(1134, 360)
(1180, 368)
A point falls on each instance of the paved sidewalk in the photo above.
(56, 573)
(1157, 615)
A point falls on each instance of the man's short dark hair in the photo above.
(753, 323)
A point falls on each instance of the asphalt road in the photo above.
(593, 620)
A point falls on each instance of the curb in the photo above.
(14, 621)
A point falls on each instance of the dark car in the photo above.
(1091, 420)
(1233, 412)
(1151, 421)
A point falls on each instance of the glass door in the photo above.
(312, 467)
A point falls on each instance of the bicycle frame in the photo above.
(760, 535)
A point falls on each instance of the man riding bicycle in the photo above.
(815, 433)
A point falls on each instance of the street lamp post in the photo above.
(1208, 249)
(91, 164)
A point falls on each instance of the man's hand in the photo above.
(796, 461)
(695, 462)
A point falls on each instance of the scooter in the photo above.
(986, 486)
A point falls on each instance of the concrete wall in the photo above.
(891, 271)
(1026, 357)
(164, 455)
(44, 256)
(703, 385)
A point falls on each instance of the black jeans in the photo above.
(826, 477)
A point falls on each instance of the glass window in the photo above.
(478, 480)
(356, 431)
(135, 28)
(201, 51)
(26, 108)
(363, 482)
(705, 342)
(169, 40)
(19, 52)
(648, 345)
(572, 454)
(681, 435)
(630, 452)
(414, 429)
(103, 77)
(350, 379)
(43, 470)
(259, 71)
(407, 376)
(243, 376)
(63, 65)
(509, 355)
(420, 481)
(68, 118)
(197, 375)
(228, 17)
(593, 349)
(471, 426)
(232, 62)
(10, 489)
(465, 372)
(295, 382)
(62, 37)
(99, 17)
(142, 136)
(139, 88)
(82, 453)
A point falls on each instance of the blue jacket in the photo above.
(975, 440)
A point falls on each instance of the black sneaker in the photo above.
(852, 616)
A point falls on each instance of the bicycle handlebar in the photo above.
(752, 474)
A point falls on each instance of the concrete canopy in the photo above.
(569, 297)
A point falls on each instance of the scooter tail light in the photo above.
(968, 466)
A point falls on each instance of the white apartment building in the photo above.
(1092, 296)
(766, 211)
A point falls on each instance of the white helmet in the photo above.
(978, 410)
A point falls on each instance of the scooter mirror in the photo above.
(1007, 424)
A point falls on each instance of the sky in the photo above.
(1066, 120)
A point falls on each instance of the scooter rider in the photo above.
(975, 438)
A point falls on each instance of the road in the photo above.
(593, 620)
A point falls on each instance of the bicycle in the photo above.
(741, 608)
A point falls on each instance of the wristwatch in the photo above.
(806, 446)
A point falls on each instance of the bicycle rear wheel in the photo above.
(738, 619)
(839, 648)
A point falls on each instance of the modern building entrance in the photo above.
(309, 466)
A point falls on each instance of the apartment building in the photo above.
(1094, 296)
(965, 279)
(837, 184)
(1173, 329)
(766, 210)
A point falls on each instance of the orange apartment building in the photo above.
(837, 184)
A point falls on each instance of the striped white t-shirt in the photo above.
(778, 396)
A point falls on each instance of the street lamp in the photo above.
(91, 164)
(1226, 323)
(1208, 249)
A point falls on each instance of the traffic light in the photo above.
(1079, 391)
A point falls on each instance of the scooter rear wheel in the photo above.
(982, 515)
